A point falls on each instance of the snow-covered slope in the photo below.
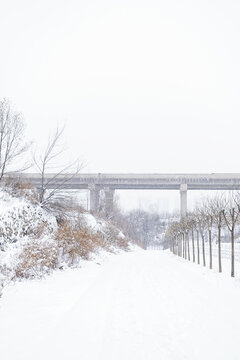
(32, 243)
(20, 218)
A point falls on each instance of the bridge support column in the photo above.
(109, 195)
(94, 197)
(183, 200)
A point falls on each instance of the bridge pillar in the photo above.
(183, 200)
(94, 197)
(109, 195)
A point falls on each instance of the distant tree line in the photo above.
(147, 228)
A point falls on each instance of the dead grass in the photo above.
(112, 237)
(77, 242)
(18, 187)
(37, 259)
(72, 242)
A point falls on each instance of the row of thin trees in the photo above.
(189, 237)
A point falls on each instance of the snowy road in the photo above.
(140, 305)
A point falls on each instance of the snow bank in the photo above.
(19, 218)
(30, 239)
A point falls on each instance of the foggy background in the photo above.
(141, 86)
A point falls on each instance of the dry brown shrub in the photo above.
(18, 187)
(112, 237)
(37, 259)
(76, 242)
(122, 243)
(62, 206)
(138, 243)
(39, 230)
(102, 242)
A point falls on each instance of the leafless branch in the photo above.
(12, 143)
(46, 162)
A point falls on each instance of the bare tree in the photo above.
(192, 226)
(174, 234)
(207, 208)
(184, 245)
(219, 211)
(231, 216)
(198, 247)
(184, 239)
(201, 222)
(187, 228)
(195, 226)
(217, 205)
(46, 162)
(12, 143)
(179, 239)
(171, 235)
(177, 236)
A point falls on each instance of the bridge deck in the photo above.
(212, 181)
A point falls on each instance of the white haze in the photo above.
(142, 86)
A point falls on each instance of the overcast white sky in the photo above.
(142, 86)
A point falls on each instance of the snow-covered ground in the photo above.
(136, 305)
(225, 255)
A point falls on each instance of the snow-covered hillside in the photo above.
(33, 243)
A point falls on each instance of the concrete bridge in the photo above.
(111, 182)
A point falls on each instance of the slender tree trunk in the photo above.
(183, 248)
(198, 250)
(210, 248)
(203, 251)
(188, 245)
(232, 257)
(219, 249)
(193, 246)
(180, 245)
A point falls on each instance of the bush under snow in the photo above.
(32, 243)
